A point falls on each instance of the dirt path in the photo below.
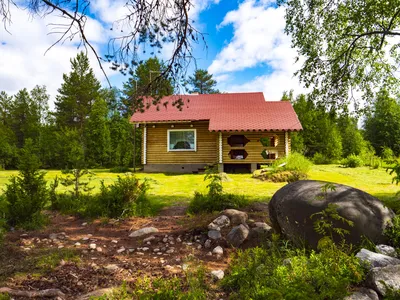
(101, 254)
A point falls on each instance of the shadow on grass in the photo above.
(391, 200)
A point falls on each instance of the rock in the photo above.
(375, 259)
(236, 216)
(218, 250)
(143, 231)
(156, 250)
(386, 250)
(380, 278)
(363, 294)
(77, 244)
(99, 249)
(84, 224)
(237, 235)
(178, 240)
(209, 253)
(165, 240)
(262, 225)
(170, 251)
(53, 236)
(120, 250)
(114, 241)
(214, 234)
(144, 249)
(217, 274)
(207, 244)
(149, 239)
(92, 246)
(220, 222)
(292, 206)
(111, 267)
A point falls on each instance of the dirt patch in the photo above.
(79, 257)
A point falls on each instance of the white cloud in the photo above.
(258, 40)
(24, 62)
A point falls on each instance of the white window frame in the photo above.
(180, 150)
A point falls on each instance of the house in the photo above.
(235, 130)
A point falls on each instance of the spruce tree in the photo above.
(77, 94)
(202, 83)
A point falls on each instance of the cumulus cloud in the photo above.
(258, 41)
(24, 61)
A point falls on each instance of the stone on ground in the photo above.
(220, 222)
(376, 260)
(218, 250)
(237, 235)
(214, 234)
(386, 250)
(380, 279)
(236, 216)
(363, 294)
(217, 274)
(291, 208)
(143, 231)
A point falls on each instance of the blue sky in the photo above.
(247, 49)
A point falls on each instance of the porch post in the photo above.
(286, 143)
(220, 156)
(144, 144)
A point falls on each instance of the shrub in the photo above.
(387, 154)
(294, 162)
(125, 197)
(353, 161)
(215, 199)
(281, 273)
(26, 194)
(392, 232)
(120, 170)
(321, 159)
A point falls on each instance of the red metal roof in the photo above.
(226, 112)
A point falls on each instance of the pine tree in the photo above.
(77, 94)
(97, 136)
(202, 83)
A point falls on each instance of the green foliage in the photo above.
(202, 82)
(294, 162)
(326, 220)
(215, 199)
(382, 126)
(120, 169)
(392, 232)
(192, 286)
(125, 197)
(284, 273)
(79, 179)
(321, 159)
(26, 194)
(341, 42)
(353, 161)
(395, 171)
(387, 154)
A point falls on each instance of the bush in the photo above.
(215, 199)
(321, 159)
(279, 176)
(353, 161)
(26, 194)
(282, 273)
(125, 197)
(120, 170)
(392, 232)
(294, 162)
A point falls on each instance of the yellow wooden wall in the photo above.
(254, 147)
(206, 152)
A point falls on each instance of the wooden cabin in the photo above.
(238, 131)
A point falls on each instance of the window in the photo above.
(237, 141)
(182, 140)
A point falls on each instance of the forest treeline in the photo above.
(89, 125)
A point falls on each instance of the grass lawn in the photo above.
(172, 189)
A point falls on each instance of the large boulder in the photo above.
(375, 260)
(292, 206)
(382, 279)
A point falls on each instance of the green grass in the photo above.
(170, 189)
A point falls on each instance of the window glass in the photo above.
(182, 140)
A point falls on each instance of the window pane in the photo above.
(181, 140)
